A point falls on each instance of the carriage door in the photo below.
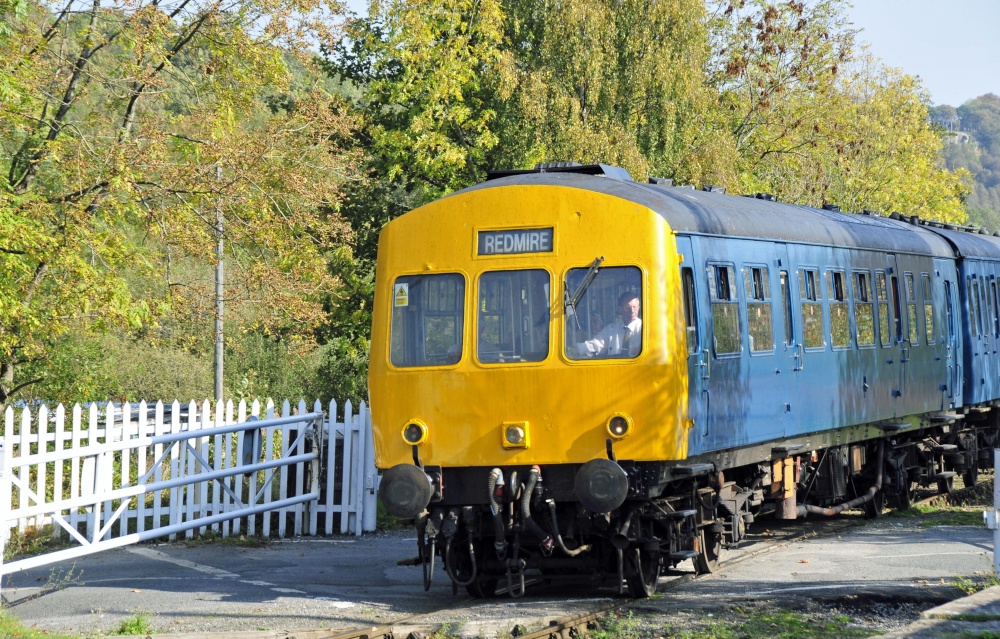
(896, 326)
(788, 337)
(698, 355)
(954, 371)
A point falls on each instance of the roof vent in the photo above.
(894, 215)
(711, 188)
(613, 172)
(541, 166)
(766, 196)
(831, 207)
(661, 181)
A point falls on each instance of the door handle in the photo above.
(706, 364)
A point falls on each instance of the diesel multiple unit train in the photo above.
(575, 375)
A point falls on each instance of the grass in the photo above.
(34, 541)
(137, 624)
(211, 537)
(935, 515)
(11, 628)
(774, 624)
(980, 581)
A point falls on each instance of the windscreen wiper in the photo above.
(574, 299)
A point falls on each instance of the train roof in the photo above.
(711, 213)
(974, 245)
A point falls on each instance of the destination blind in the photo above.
(513, 241)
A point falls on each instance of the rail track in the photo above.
(769, 537)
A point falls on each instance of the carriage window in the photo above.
(977, 314)
(911, 308)
(882, 299)
(759, 323)
(840, 322)
(864, 312)
(690, 310)
(427, 318)
(812, 309)
(996, 316)
(987, 309)
(593, 328)
(725, 309)
(925, 289)
(786, 306)
(513, 317)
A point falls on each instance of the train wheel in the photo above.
(642, 571)
(711, 547)
(484, 587)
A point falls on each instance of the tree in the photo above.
(815, 121)
(621, 83)
(119, 118)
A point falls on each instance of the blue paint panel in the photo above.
(793, 389)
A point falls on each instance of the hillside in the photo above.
(975, 146)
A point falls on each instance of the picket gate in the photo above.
(115, 474)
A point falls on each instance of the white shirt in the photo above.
(613, 340)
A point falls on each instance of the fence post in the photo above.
(370, 509)
(4, 507)
(990, 517)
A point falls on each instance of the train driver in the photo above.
(621, 338)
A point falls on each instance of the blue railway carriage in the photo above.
(754, 356)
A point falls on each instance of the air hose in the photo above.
(500, 543)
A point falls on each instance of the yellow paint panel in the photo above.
(567, 403)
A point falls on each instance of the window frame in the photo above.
(836, 284)
(734, 300)
(753, 271)
(870, 303)
(478, 318)
(811, 293)
(462, 314)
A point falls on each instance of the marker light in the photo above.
(415, 432)
(620, 426)
(515, 435)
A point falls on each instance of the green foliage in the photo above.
(980, 581)
(137, 624)
(112, 191)
(934, 515)
(777, 624)
(11, 628)
(980, 118)
(816, 121)
(33, 541)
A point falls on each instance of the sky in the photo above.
(953, 45)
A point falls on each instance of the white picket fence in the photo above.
(346, 503)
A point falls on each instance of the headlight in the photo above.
(515, 435)
(619, 426)
(415, 432)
